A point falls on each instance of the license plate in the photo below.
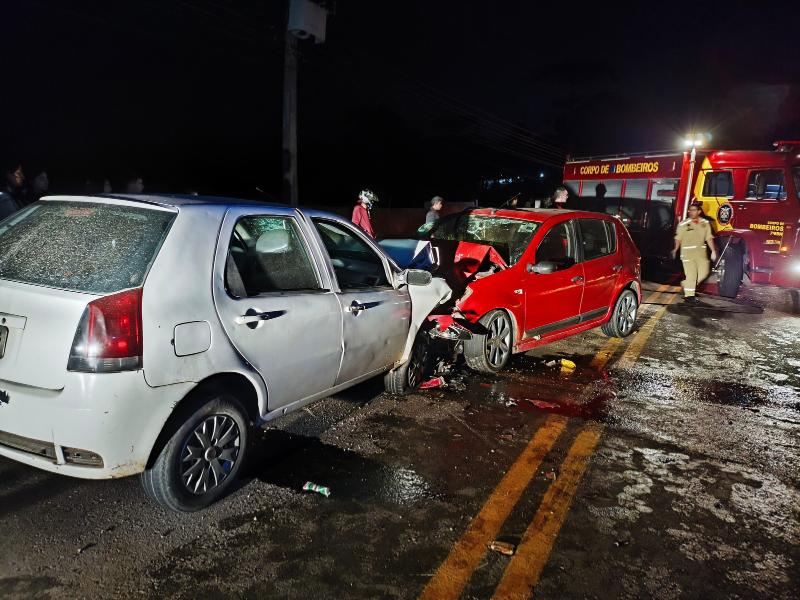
(3, 339)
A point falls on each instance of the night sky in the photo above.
(408, 98)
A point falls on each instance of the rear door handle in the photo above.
(253, 317)
(577, 279)
(617, 268)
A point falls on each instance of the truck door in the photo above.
(762, 214)
(660, 217)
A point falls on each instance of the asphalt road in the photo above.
(663, 466)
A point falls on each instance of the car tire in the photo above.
(623, 316)
(491, 351)
(730, 271)
(200, 460)
(407, 377)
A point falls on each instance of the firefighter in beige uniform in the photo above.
(692, 237)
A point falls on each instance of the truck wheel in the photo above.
(407, 377)
(202, 457)
(795, 301)
(623, 317)
(730, 271)
(490, 352)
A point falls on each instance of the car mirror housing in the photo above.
(542, 268)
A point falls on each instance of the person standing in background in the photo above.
(560, 197)
(361, 212)
(11, 199)
(435, 210)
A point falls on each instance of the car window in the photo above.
(510, 237)
(594, 238)
(766, 184)
(356, 265)
(267, 254)
(82, 246)
(796, 176)
(718, 183)
(558, 246)
(611, 232)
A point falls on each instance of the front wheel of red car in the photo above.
(491, 351)
(623, 317)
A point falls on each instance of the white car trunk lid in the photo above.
(41, 324)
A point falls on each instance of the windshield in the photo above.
(86, 247)
(510, 237)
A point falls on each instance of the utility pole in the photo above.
(307, 19)
(290, 119)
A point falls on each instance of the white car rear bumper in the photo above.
(98, 427)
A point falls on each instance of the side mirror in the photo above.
(542, 268)
(417, 277)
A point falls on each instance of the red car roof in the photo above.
(534, 214)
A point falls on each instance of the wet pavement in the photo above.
(692, 491)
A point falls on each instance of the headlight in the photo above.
(795, 267)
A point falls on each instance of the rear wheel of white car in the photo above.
(200, 461)
(407, 377)
(623, 317)
(490, 352)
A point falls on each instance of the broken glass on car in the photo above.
(510, 237)
(85, 247)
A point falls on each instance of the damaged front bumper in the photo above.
(448, 327)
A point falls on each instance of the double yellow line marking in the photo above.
(523, 571)
(456, 570)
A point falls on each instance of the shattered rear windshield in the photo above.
(85, 247)
(510, 237)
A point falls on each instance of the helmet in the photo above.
(368, 197)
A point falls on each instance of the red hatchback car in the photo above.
(523, 278)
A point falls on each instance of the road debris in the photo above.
(550, 475)
(320, 489)
(502, 547)
(86, 547)
(432, 383)
(542, 404)
(567, 366)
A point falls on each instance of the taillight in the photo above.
(109, 335)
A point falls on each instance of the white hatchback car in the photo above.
(143, 334)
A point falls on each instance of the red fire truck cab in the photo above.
(752, 199)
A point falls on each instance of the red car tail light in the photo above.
(109, 335)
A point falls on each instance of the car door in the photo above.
(276, 305)
(602, 263)
(553, 300)
(376, 316)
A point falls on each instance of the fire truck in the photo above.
(751, 198)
